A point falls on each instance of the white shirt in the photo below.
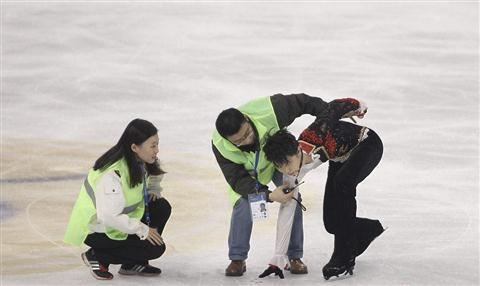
(110, 202)
(286, 214)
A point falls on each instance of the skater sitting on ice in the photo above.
(120, 212)
(353, 152)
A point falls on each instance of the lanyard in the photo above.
(296, 181)
(145, 197)
(299, 167)
(257, 184)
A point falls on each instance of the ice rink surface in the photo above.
(73, 74)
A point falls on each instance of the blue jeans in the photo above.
(241, 229)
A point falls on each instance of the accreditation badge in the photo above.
(258, 206)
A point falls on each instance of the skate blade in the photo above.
(340, 275)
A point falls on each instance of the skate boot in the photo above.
(365, 236)
(338, 266)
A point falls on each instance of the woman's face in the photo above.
(148, 150)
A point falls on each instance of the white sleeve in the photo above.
(153, 184)
(110, 203)
(363, 107)
(286, 214)
(360, 111)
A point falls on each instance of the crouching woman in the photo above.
(119, 211)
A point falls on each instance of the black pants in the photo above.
(133, 250)
(340, 205)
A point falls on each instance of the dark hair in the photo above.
(136, 132)
(280, 145)
(229, 122)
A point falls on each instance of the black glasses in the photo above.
(248, 134)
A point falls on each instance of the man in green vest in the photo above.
(237, 144)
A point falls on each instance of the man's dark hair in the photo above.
(280, 145)
(229, 122)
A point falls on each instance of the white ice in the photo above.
(75, 73)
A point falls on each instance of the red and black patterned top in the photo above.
(332, 138)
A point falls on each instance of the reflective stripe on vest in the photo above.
(91, 194)
(84, 211)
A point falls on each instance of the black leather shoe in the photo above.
(297, 266)
(236, 268)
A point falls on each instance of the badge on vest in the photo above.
(258, 206)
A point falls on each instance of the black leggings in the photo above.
(339, 204)
(132, 250)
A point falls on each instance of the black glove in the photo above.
(272, 269)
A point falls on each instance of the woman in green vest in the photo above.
(120, 212)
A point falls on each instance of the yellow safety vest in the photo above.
(261, 114)
(84, 211)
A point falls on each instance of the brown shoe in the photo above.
(297, 266)
(236, 268)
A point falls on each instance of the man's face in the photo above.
(244, 136)
(293, 166)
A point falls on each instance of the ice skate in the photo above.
(337, 266)
(364, 239)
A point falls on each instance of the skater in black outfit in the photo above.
(353, 152)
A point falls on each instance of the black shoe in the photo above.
(338, 266)
(139, 269)
(366, 237)
(98, 270)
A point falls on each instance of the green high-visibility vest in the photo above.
(261, 114)
(84, 211)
